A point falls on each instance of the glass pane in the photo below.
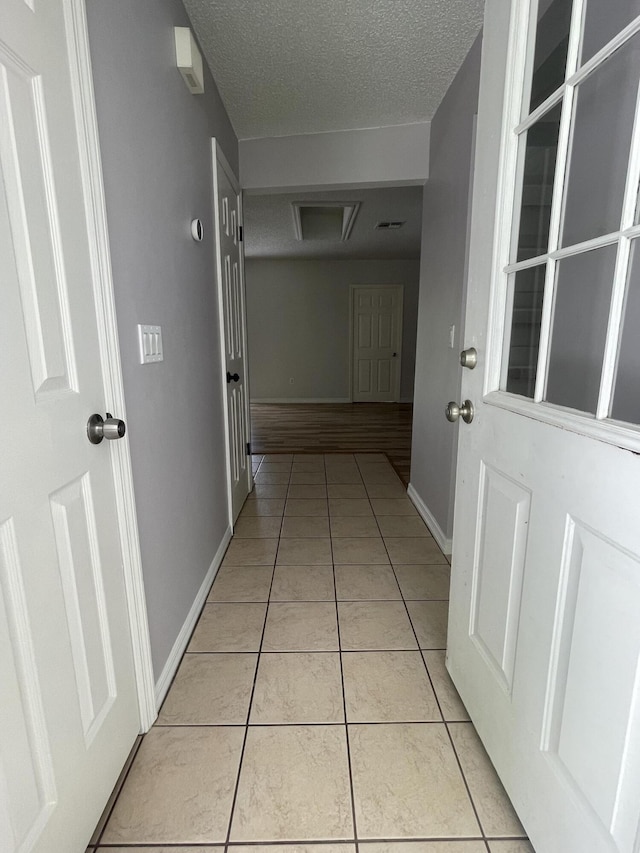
(605, 20)
(626, 397)
(528, 292)
(539, 171)
(581, 314)
(552, 41)
(604, 115)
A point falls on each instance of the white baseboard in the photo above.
(429, 519)
(175, 656)
(300, 399)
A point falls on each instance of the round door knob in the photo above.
(464, 410)
(232, 377)
(99, 428)
(113, 428)
(452, 412)
(469, 357)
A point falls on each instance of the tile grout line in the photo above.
(309, 725)
(324, 651)
(228, 842)
(444, 721)
(253, 688)
(141, 737)
(419, 649)
(344, 699)
(135, 750)
(306, 842)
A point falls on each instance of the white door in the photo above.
(544, 634)
(376, 316)
(69, 703)
(233, 331)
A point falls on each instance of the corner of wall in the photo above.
(445, 542)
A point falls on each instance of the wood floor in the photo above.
(326, 428)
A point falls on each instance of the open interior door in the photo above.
(68, 693)
(233, 329)
(544, 631)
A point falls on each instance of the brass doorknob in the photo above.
(464, 410)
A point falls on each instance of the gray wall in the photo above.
(442, 279)
(298, 319)
(155, 141)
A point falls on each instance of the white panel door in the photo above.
(232, 307)
(69, 700)
(377, 341)
(544, 634)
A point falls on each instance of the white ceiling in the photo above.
(306, 66)
(268, 225)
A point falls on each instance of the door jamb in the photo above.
(352, 291)
(218, 158)
(102, 282)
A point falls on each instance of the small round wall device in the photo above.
(197, 230)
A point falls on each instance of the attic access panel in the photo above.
(330, 221)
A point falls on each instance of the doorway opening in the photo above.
(332, 322)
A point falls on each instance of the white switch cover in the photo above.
(150, 340)
(452, 336)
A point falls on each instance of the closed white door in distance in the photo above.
(68, 692)
(544, 635)
(377, 341)
(232, 307)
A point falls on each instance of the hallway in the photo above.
(313, 705)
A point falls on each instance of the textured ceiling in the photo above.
(268, 225)
(306, 66)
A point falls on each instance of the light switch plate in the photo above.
(150, 340)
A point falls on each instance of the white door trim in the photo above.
(352, 290)
(95, 209)
(217, 156)
(245, 333)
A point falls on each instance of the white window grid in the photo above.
(517, 89)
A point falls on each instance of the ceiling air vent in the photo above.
(324, 220)
(390, 226)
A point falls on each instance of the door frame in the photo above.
(352, 291)
(109, 348)
(218, 157)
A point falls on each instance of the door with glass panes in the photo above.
(544, 632)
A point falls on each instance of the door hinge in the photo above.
(248, 448)
(240, 237)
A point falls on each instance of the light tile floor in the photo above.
(312, 711)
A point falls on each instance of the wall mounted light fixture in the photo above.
(189, 60)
